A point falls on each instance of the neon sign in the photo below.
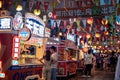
(5, 24)
(35, 24)
(16, 43)
(24, 34)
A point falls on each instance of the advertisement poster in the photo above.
(62, 69)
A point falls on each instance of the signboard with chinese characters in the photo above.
(84, 11)
(6, 24)
(35, 24)
(34, 41)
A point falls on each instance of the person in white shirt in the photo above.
(88, 63)
(54, 62)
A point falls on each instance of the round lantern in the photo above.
(88, 36)
(60, 33)
(19, 8)
(104, 22)
(106, 33)
(0, 4)
(85, 49)
(97, 35)
(90, 20)
(37, 12)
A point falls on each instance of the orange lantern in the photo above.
(97, 35)
(88, 36)
(106, 33)
(90, 20)
(19, 8)
(37, 12)
(104, 22)
(85, 49)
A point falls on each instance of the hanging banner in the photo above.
(85, 12)
(31, 4)
(46, 4)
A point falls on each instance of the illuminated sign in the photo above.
(34, 41)
(84, 11)
(5, 24)
(15, 62)
(35, 24)
(70, 37)
(2, 75)
(47, 32)
(15, 51)
(18, 21)
(24, 34)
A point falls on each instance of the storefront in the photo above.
(21, 49)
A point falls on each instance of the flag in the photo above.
(105, 2)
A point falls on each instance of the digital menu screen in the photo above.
(5, 24)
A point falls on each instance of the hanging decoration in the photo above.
(90, 20)
(31, 4)
(71, 3)
(78, 23)
(78, 3)
(118, 20)
(46, 4)
(0, 4)
(37, 10)
(104, 21)
(19, 8)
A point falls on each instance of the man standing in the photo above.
(54, 62)
(88, 63)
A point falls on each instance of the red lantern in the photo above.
(85, 49)
(104, 22)
(90, 20)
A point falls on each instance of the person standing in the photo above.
(54, 62)
(47, 65)
(88, 63)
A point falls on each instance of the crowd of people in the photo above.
(99, 61)
(90, 63)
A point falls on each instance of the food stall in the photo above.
(67, 56)
(20, 49)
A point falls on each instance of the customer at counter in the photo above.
(47, 65)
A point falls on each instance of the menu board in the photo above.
(5, 24)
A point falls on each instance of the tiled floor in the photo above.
(99, 75)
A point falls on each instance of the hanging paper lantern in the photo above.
(19, 8)
(37, 11)
(104, 22)
(85, 49)
(88, 36)
(0, 4)
(106, 33)
(90, 20)
(60, 33)
(97, 35)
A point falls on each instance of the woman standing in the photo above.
(47, 65)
